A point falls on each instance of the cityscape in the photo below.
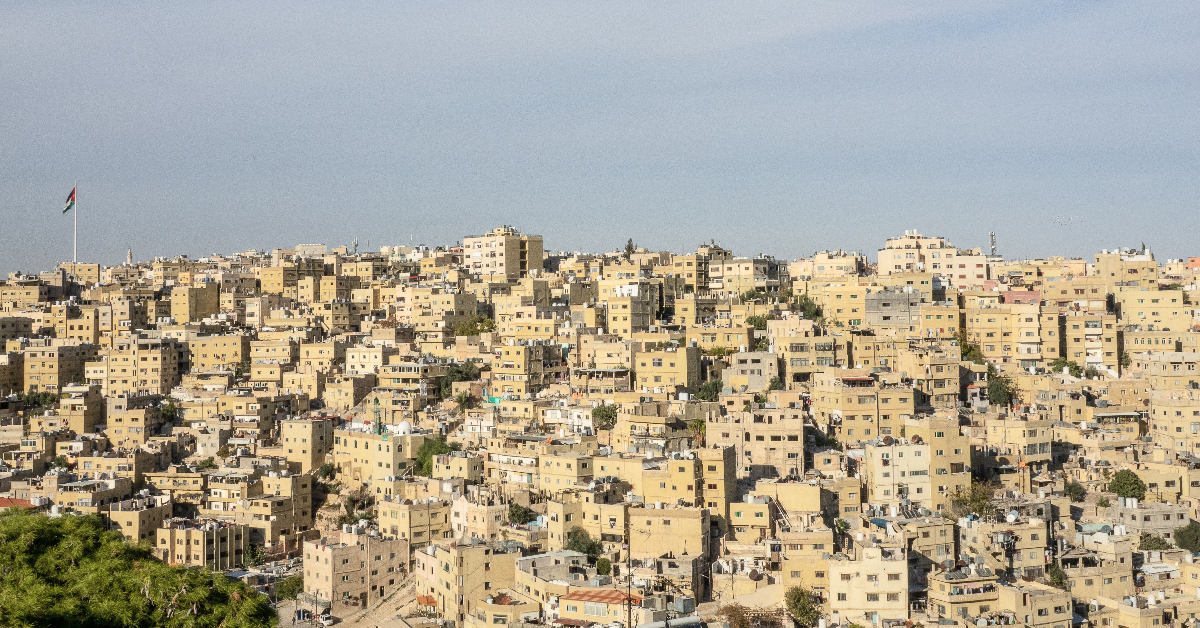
(535, 314)
(493, 431)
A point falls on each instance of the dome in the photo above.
(404, 428)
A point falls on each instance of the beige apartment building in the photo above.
(458, 576)
(857, 405)
(49, 366)
(503, 252)
(350, 571)
(212, 544)
(872, 588)
(218, 353)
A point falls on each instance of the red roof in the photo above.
(426, 600)
(8, 502)
(606, 596)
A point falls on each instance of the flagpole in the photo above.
(76, 211)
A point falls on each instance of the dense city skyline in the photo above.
(207, 130)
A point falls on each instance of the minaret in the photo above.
(129, 256)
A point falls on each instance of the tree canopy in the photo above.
(520, 515)
(710, 390)
(976, 498)
(800, 605)
(1126, 483)
(1075, 491)
(432, 447)
(604, 417)
(757, 322)
(71, 571)
(808, 307)
(1152, 542)
(1000, 389)
(465, 372)
(1188, 537)
(474, 326)
(1073, 368)
(578, 540)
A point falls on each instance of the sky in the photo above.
(781, 128)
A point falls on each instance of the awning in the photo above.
(427, 600)
(573, 622)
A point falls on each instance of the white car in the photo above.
(326, 619)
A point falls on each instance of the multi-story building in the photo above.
(503, 252)
(352, 571)
(213, 544)
(457, 576)
(871, 589)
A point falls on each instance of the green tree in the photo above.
(37, 403)
(465, 400)
(973, 499)
(289, 588)
(1057, 576)
(1123, 359)
(326, 471)
(604, 417)
(630, 249)
(255, 555)
(1072, 367)
(520, 515)
(435, 446)
(757, 322)
(1001, 390)
(1127, 484)
(207, 463)
(72, 571)
(776, 384)
(464, 372)
(808, 307)
(710, 390)
(1103, 502)
(823, 440)
(169, 412)
(475, 325)
(60, 462)
(242, 369)
(604, 566)
(1075, 491)
(698, 429)
(800, 605)
(735, 614)
(1153, 542)
(578, 540)
(1188, 537)
(971, 353)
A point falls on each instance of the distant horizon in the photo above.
(777, 128)
(871, 255)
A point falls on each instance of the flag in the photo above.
(70, 202)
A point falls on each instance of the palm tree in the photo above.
(697, 428)
(465, 400)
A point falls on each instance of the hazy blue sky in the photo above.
(775, 127)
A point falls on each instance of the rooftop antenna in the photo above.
(356, 245)
(992, 238)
